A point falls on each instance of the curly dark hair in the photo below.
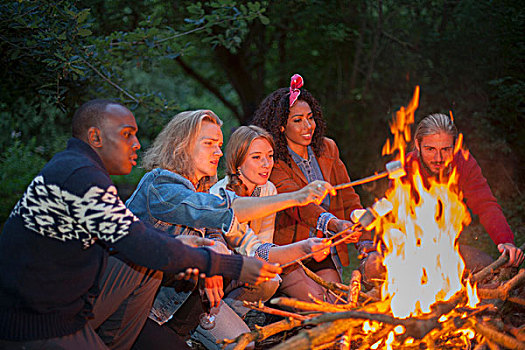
(273, 112)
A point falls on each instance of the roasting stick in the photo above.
(393, 170)
(362, 181)
(364, 220)
(352, 228)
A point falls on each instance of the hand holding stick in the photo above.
(365, 221)
(327, 247)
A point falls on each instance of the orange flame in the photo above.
(420, 235)
(400, 128)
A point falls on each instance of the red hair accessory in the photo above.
(295, 84)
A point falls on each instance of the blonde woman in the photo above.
(180, 163)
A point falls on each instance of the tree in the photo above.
(362, 59)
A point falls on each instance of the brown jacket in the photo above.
(293, 225)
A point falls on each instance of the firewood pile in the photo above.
(360, 320)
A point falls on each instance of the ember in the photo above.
(425, 300)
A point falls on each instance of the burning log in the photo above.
(519, 333)
(338, 297)
(345, 341)
(492, 345)
(304, 305)
(502, 292)
(355, 288)
(416, 328)
(374, 338)
(515, 300)
(312, 338)
(259, 306)
(333, 286)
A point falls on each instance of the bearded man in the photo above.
(434, 143)
(435, 139)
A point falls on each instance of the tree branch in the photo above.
(502, 260)
(492, 334)
(259, 306)
(109, 81)
(206, 84)
(400, 42)
(261, 333)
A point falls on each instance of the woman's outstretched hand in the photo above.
(314, 192)
(319, 246)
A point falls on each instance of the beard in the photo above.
(443, 173)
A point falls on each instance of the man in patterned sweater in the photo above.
(61, 285)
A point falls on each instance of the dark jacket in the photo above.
(54, 246)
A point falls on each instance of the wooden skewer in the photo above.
(352, 228)
(393, 170)
(362, 181)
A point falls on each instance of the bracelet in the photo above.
(358, 245)
(263, 251)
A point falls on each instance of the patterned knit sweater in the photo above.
(55, 243)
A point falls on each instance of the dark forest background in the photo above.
(361, 59)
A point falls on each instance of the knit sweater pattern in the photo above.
(55, 243)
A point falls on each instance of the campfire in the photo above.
(421, 256)
(426, 301)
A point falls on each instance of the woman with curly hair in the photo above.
(303, 154)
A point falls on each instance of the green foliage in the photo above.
(41, 44)
(508, 111)
(226, 21)
(19, 164)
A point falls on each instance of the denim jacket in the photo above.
(169, 202)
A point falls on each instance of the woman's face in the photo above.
(300, 127)
(206, 151)
(258, 164)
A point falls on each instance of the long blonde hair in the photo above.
(172, 148)
(236, 152)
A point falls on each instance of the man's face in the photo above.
(206, 150)
(119, 140)
(436, 152)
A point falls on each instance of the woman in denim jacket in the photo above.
(181, 162)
